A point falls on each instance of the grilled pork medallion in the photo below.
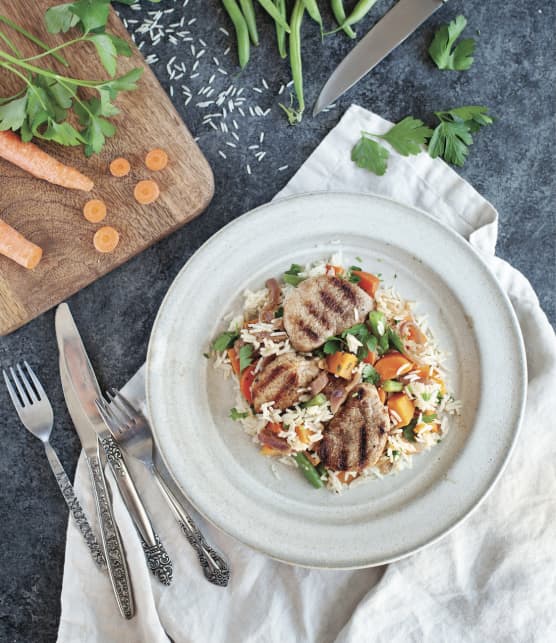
(321, 307)
(356, 436)
(280, 379)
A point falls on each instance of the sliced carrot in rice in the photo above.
(16, 247)
(106, 239)
(120, 167)
(156, 160)
(146, 191)
(94, 210)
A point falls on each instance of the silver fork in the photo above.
(35, 412)
(132, 432)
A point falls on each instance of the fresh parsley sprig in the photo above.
(44, 108)
(444, 50)
(450, 139)
(407, 137)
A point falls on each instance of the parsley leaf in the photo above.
(292, 277)
(443, 52)
(370, 374)
(370, 155)
(450, 141)
(13, 114)
(332, 345)
(93, 14)
(224, 341)
(407, 136)
(60, 18)
(106, 51)
(245, 356)
(238, 415)
(474, 116)
(408, 431)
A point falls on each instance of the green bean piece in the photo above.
(296, 63)
(313, 10)
(248, 11)
(242, 32)
(383, 344)
(360, 10)
(340, 15)
(321, 469)
(280, 31)
(308, 470)
(277, 13)
(392, 386)
(395, 341)
(377, 320)
(317, 400)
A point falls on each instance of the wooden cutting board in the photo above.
(52, 217)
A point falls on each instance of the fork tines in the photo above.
(25, 392)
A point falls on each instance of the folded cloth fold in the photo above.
(493, 578)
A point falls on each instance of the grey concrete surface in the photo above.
(511, 164)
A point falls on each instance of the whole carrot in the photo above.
(16, 247)
(32, 159)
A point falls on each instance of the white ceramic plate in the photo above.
(219, 468)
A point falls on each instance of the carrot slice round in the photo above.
(156, 160)
(94, 210)
(106, 239)
(120, 167)
(146, 191)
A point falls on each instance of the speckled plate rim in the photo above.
(519, 377)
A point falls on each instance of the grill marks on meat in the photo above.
(355, 438)
(320, 307)
(280, 379)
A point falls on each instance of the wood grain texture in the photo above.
(52, 217)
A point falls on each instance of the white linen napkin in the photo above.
(493, 578)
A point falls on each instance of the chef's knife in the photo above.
(399, 23)
(76, 364)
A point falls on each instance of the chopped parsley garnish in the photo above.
(238, 415)
(370, 374)
(245, 356)
(279, 312)
(333, 345)
(359, 259)
(444, 50)
(408, 431)
(292, 277)
(225, 340)
(206, 355)
(357, 268)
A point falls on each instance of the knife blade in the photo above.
(399, 23)
(156, 556)
(82, 382)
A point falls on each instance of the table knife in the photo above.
(157, 558)
(399, 23)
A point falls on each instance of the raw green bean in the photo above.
(391, 386)
(360, 10)
(242, 32)
(278, 14)
(308, 470)
(248, 11)
(377, 321)
(296, 63)
(313, 10)
(280, 31)
(340, 15)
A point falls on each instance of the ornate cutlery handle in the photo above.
(74, 506)
(113, 550)
(158, 560)
(214, 567)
